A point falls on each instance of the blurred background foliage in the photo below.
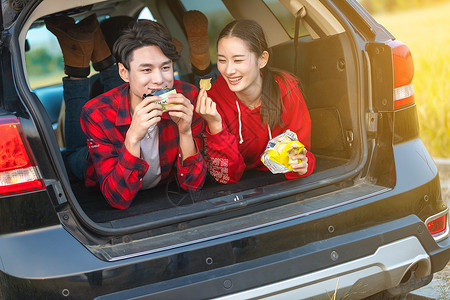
(40, 62)
(424, 26)
(380, 6)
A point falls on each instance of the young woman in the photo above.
(248, 105)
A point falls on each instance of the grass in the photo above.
(426, 32)
(47, 79)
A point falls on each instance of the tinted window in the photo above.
(44, 61)
(286, 19)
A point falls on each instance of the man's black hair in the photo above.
(143, 33)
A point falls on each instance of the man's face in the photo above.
(150, 70)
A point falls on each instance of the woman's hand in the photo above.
(301, 168)
(206, 108)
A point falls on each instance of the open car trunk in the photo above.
(330, 72)
(168, 203)
(333, 144)
(326, 86)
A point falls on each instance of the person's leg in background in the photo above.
(196, 26)
(111, 29)
(80, 43)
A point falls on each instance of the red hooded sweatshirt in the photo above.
(244, 138)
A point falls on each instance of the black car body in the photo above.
(369, 220)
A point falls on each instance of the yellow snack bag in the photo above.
(279, 152)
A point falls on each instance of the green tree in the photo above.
(39, 63)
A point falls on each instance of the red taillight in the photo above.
(18, 171)
(403, 75)
(438, 225)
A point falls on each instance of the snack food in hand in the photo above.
(205, 83)
(163, 94)
(279, 152)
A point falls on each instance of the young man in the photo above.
(133, 144)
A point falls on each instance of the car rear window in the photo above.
(44, 61)
(286, 19)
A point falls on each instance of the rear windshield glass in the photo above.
(286, 19)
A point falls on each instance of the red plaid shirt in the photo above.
(105, 121)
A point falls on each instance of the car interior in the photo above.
(325, 64)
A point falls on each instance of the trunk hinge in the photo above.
(372, 122)
(56, 192)
(371, 117)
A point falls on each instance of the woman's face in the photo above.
(240, 67)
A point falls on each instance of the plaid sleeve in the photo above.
(191, 172)
(119, 172)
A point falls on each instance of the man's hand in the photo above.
(181, 112)
(206, 108)
(301, 168)
(146, 114)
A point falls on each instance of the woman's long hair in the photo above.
(252, 33)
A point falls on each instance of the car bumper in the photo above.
(359, 278)
(316, 269)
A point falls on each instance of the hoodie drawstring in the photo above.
(240, 123)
